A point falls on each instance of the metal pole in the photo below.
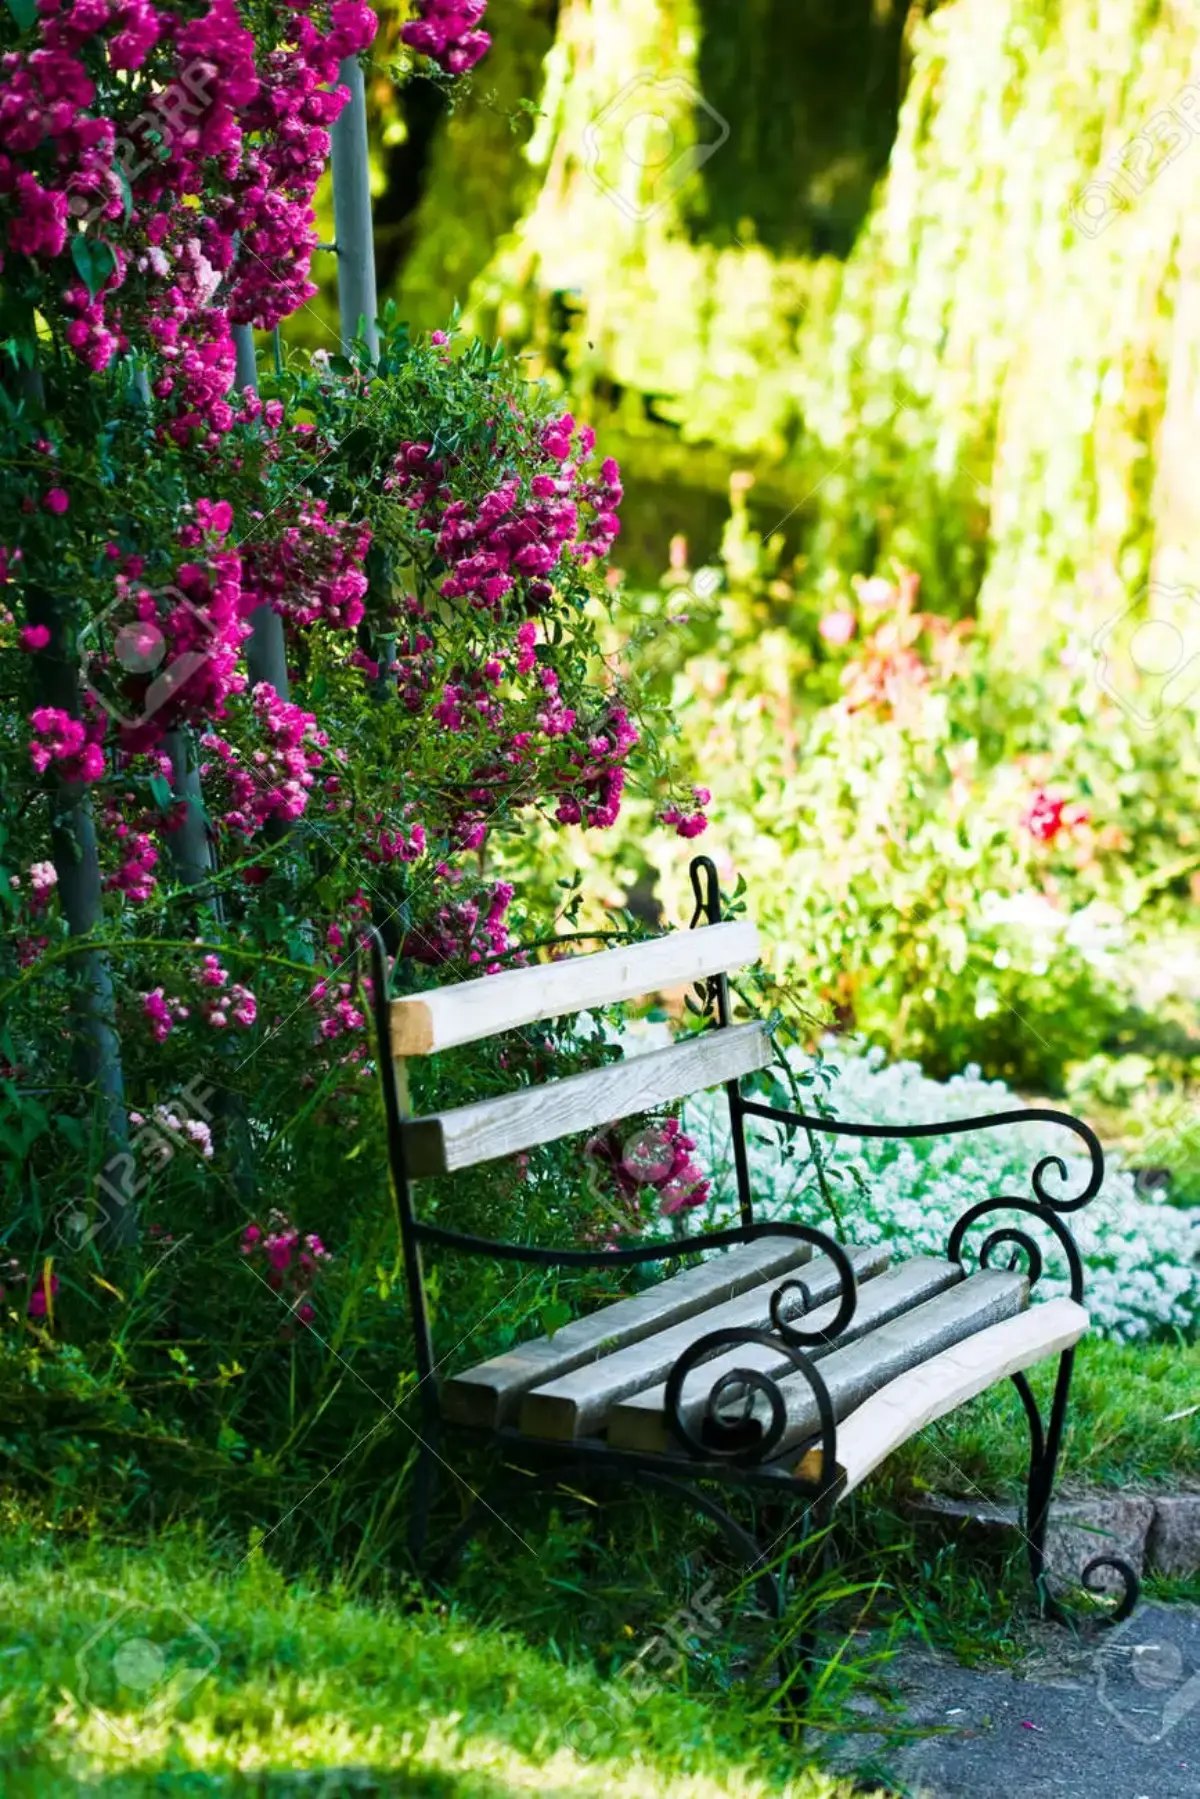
(266, 651)
(357, 298)
(187, 845)
(97, 1051)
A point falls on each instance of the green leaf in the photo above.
(126, 190)
(160, 788)
(93, 258)
(71, 1129)
(299, 948)
(554, 1316)
(24, 12)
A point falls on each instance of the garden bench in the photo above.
(787, 1362)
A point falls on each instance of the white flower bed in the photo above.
(1141, 1257)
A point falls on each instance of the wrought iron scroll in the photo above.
(1023, 1244)
(1045, 1440)
(746, 1439)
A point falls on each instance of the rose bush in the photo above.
(959, 861)
(186, 852)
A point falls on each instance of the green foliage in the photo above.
(876, 797)
(975, 382)
(302, 1689)
(990, 394)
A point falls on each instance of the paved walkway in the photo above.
(1117, 1717)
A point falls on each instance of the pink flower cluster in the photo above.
(67, 742)
(163, 1013)
(36, 1305)
(312, 571)
(520, 529)
(334, 1001)
(176, 1124)
(1048, 814)
(291, 1264)
(393, 846)
(270, 206)
(594, 789)
(173, 651)
(175, 148)
(688, 824)
(464, 930)
(657, 1165)
(277, 782)
(224, 1002)
(43, 879)
(134, 876)
(444, 30)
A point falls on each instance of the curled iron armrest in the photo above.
(1022, 1244)
(953, 1127)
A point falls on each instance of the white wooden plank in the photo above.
(577, 1404)
(639, 1422)
(488, 1395)
(472, 1010)
(448, 1141)
(854, 1373)
(905, 1406)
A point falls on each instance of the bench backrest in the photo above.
(472, 1011)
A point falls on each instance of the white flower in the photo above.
(1141, 1256)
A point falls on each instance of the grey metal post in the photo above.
(266, 651)
(357, 298)
(188, 845)
(96, 1048)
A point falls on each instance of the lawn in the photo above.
(302, 1690)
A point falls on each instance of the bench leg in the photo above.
(1045, 1442)
(795, 1661)
(424, 1487)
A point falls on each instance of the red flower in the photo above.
(1047, 814)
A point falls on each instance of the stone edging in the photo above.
(1155, 1533)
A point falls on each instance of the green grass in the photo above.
(306, 1691)
(1117, 1436)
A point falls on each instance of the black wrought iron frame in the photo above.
(738, 1453)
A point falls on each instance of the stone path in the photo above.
(1117, 1717)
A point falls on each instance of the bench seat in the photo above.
(924, 1338)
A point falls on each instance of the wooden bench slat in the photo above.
(488, 1396)
(472, 1010)
(854, 1373)
(448, 1141)
(904, 1407)
(577, 1404)
(639, 1422)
